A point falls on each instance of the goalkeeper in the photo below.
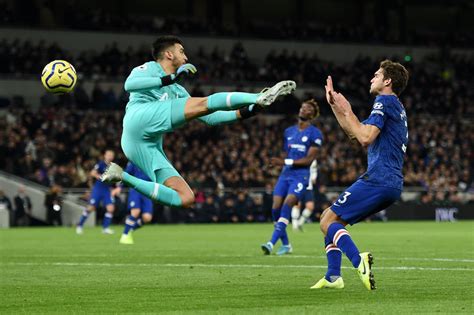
(158, 105)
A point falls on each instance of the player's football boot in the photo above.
(112, 174)
(267, 248)
(79, 230)
(284, 249)
(126, 239)
(323, 283)
(365, 270)
(108, 231)
(269, 96)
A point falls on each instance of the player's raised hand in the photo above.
(329, 91)
(186, 69)
(341, 103)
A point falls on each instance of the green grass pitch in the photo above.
(421, 267)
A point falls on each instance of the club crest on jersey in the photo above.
(304, 139)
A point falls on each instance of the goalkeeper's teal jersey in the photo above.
(152, 111)
(145, 75)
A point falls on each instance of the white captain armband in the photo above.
(289, 162)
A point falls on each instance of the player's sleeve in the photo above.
(317, 139)
(100, 167)
(141, 79)
(219, 118)
(378, 115)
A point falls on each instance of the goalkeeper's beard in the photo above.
(304, 119)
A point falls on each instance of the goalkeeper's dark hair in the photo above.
(315, 105)
(162, 43)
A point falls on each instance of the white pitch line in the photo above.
(242, 256)
(86, 264)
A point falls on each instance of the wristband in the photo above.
(289, 162)
(167, 80)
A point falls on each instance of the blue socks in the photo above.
(132, 224)
(155, 191)
(280, 226)
(334, 257)
(230, 100)
(84, 216)
(107, 220)
(341, 238)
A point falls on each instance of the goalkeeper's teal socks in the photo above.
(155, 191)
(230, 100)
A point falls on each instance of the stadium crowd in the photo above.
(43, 14)
(442, 79)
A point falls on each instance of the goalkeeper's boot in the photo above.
(126, 239)
(365, 270)
(269, 96)
(323, 283)
(267, 248)
(284, 249)
(112, 174)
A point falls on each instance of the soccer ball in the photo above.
(59, 77)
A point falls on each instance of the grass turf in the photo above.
(421, 267)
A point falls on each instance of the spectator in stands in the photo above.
(53, 203)
(23, 208)
(210, 210)
(6, 205)
(244, 207)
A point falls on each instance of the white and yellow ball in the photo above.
(59, 77)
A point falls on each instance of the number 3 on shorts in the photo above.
(344, 197)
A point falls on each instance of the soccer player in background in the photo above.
(385, 134)
(158, 105)
(101, 192)
(298, 219)
(300, 143)
(141, 207)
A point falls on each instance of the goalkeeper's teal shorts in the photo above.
(142, 138)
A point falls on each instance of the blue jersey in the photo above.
(135, 199)
(296, 143)
(100, 168)
(386, 153)
(135, 171)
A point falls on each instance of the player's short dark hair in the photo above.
(397, 72)
(162, 43)
(315, 105)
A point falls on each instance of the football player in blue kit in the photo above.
(300, 143)
(385, 135)
(141, 207)
(101, 192)
(298, 218)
